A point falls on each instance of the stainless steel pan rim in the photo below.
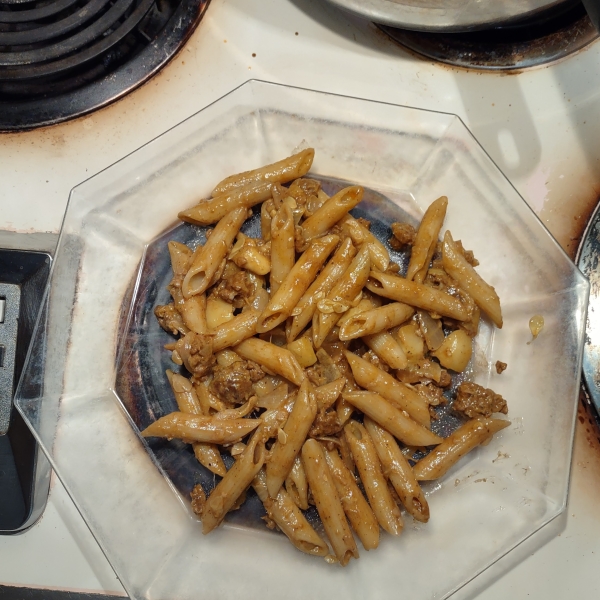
(445, 15)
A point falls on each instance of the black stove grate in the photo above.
(61, 59)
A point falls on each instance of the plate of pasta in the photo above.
(314, 347)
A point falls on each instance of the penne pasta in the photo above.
(454, 447)
(234, 483)
(343, 294)
(380, 257)
(416, 294)
(372, 378)
(290, 520)
(236, 330)
(211, 211)
(283, 453)
(398, 471)
(296, 282)
(193, 313)
(332, 211)
(387, 349)
(180, 257)
(470, 281)
(427, 237)
(198, 428)
(246, 254)
(327, 394)
(207, 258)
(375, 320)
(282, 171)
(323, 284)
(296, 485)
(367, 462)
(283, 252)
(355, 506)
(395, 421)
(278, 360)
(328, 502)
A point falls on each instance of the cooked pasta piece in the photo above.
(198, 428)
(455, 446)
(234, 483)
(355, 506)
(207, 258)
(246, 254)
(283, 253)
(387, 349)
(427, 237)
(328, 502)
(180, 257)
(296, 484)
(193, 313)
(278, 360)
(389, 417)
(416, 294)
(328, 393)
(210, 211)
(282, 171)
(332, 211)
(375, 320)
(380, 257)
(289, 518)
(470, 281)
(367, 462)
(398, 471)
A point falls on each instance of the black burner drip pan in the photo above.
(61, 59)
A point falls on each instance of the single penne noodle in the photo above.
(207, 258)
(180, 257)
(265, 221)
(387, 348)
(296, 282)
(289, 518)
(238, 329)
(199, 428)
(218, 311)
(283, 250)
(296, 485)
(328, 393)
(240, 412)
(355, 506)
(416, 294)
(345, 291)
(278, 360)
(374, 379)
(380, 257)
(234, 483)
(282, 171)
(455, 446)
(369, 468)
(302, 349)
(246, 254)
(426, 240)
(375, 320)
(398, 471)
(193, 313)
(332, 211)
(364, 305)
(484, 295)
(323, 284)
(208, 456)
(296, 429)
(397, 422)
(344, 410)
(328, 502)
(210, 211)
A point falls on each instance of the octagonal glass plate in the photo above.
(133, 501)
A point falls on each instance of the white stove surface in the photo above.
(540, 126)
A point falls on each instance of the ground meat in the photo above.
(303, 189)
(170, 319)
(473, 400)
(325, 423)
(236, 288)
(371, 357)
(404, 234)
(468, 254)
(445, 379)
(198, 499)
(233, 383)
(196, 353)
(433, 395)
(500, 367)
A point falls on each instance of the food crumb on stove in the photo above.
(254, 55)
(500, 367)
(296, 33)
